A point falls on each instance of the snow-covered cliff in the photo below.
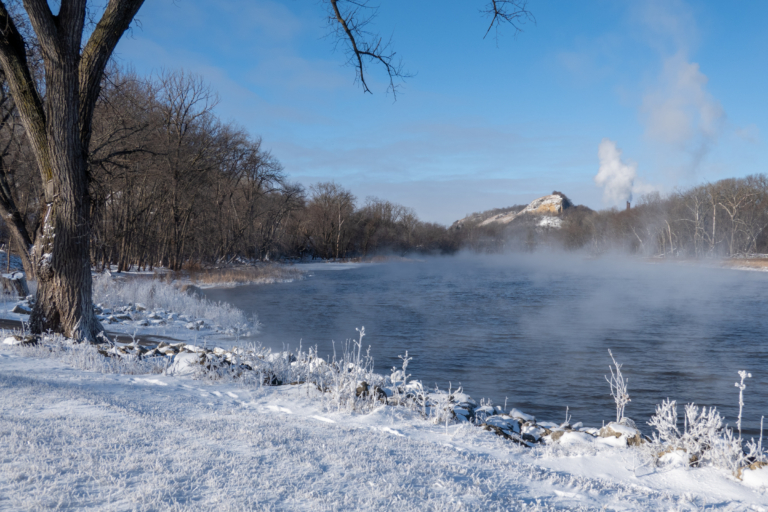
(549, 207)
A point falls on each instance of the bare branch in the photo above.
(512, 12)
(348, 20)
(114, 22)
(13, 58)
(349, 26)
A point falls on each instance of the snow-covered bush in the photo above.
(755, 452)
(705, 439)
(439, 406)
(113, 292)
(399, 379)
(665, 423)
(350, 380)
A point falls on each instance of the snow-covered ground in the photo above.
(80, 440)
(151, 308)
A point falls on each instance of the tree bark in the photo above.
(59, 133)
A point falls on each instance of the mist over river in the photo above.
(535, 330)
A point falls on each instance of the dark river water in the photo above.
(535, 330)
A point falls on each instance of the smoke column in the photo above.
(614, 176)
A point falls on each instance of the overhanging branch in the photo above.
(114, 22)
(349, 26)
(348, 20)
(511, 12)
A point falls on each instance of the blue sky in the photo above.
(679, 87)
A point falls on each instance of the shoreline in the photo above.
(568, 466)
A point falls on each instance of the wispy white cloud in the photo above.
(749, 133)
(681, 117)
(679, 112)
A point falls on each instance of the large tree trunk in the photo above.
(64, 301)
(59, 132)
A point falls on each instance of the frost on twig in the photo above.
(618, 388)
(743, 374)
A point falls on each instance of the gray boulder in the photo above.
(21, 310)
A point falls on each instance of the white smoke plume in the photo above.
(617, 178)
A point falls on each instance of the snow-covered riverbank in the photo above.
(161, 438)
(82, 440)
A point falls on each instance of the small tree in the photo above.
(618, 388)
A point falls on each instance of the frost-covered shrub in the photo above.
(704, 439)
(439, 406)
(665, 423)
(350, 380)
(618, 388)
(113, 292)
(755, 451)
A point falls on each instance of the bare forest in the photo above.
(724, 219)
(171, 185)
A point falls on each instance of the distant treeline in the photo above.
(722, 219)
(173, 185)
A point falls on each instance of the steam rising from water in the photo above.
(616, 177)
(535, 329)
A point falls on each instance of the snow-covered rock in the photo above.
(185, 363)
(20, 310)
(514, 413)
(533, 433)
(485, 412)
(573, 437)
(627, 434)
(756, 475)
(673, 458)
(504, 422)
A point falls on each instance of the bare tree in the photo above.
(56, 108)
(59, 129)
(11, 135)
(328, 219)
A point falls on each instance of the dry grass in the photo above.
(755, 263)
(245, 275)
